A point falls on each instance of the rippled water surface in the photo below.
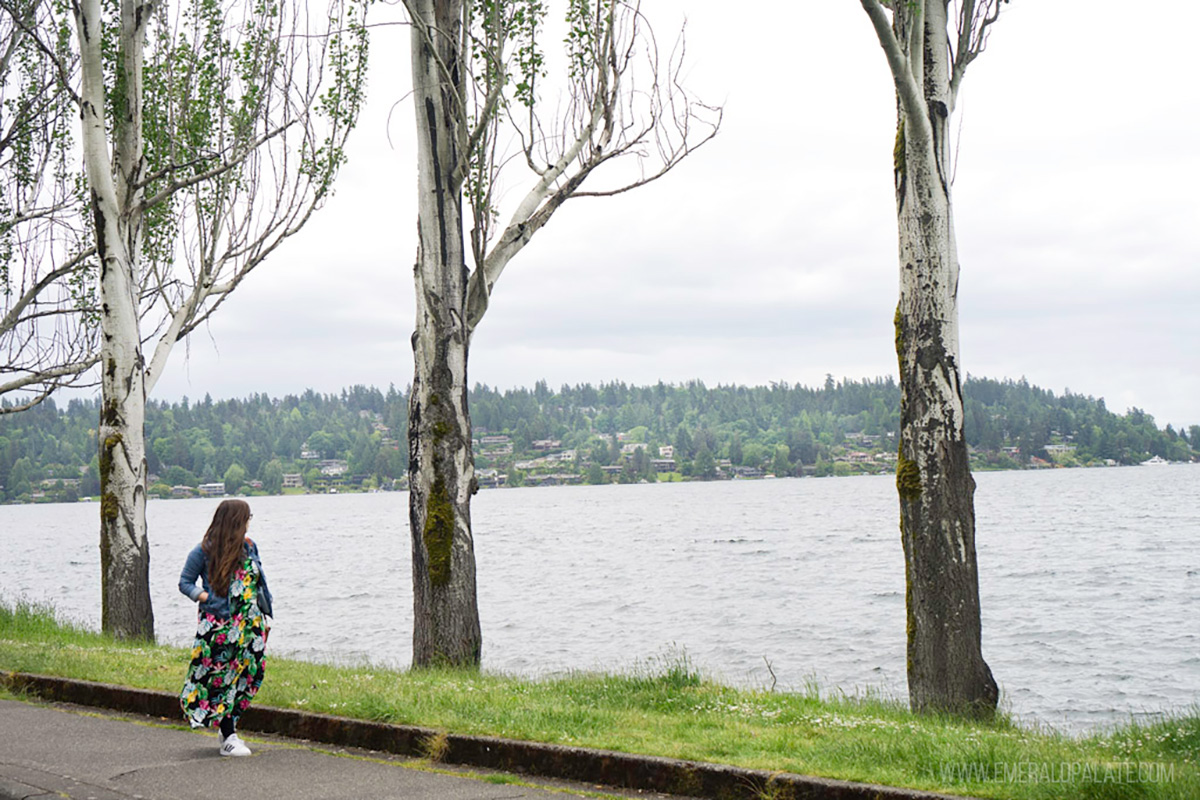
(1090, 580)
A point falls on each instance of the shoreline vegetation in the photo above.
(611, 433)
(402, 486)
(668, 708)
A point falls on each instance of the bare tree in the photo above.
(211, 137)
(47, 311)
(478, 85)
(929, 44)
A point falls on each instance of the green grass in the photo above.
(668, 709)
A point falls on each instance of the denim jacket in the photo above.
(196, 566)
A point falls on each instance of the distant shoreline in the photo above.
(642, 483)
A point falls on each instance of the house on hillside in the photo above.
(490, 478)
(332, 467)
(496, 445)
(558, 479)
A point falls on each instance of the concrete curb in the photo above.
(15, 790)
(647, 773)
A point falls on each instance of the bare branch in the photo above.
(974, 22)
(27, 27)
(46, 311)
(908, 87)
(5, 408)
(49, 377)
(32, 293)
(231, 217)
(607, 118)
(238, 158)
(34, 214)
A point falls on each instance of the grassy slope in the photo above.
(669, 711)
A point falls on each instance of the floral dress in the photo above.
(228, 656)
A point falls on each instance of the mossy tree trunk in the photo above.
(116, 192)
(441, 465)
(946, 669)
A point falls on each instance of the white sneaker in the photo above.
(233, 746)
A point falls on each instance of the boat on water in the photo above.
(1156, 461)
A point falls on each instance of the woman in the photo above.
(231, 638)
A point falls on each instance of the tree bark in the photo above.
(946, 669)
(126, 611)
(441, 471)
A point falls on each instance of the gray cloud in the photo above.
(771, 254)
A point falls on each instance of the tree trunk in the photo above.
(946, 670)
(441, 465)
(126, 611)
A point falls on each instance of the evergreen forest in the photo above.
(611, 432)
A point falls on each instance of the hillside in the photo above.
(355, 440)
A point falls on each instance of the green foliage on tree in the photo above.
(736, 454)
(235, 476)
(780, 464)
(19, 478)
(179, 476)
(638, 433)
(703, 465)
(272, 477)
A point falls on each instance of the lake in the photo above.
(1089, 581)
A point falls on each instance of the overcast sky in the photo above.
(771, 254)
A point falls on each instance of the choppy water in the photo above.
(1090, 580)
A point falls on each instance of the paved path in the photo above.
(49, 751)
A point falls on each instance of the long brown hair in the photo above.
(224, 542)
